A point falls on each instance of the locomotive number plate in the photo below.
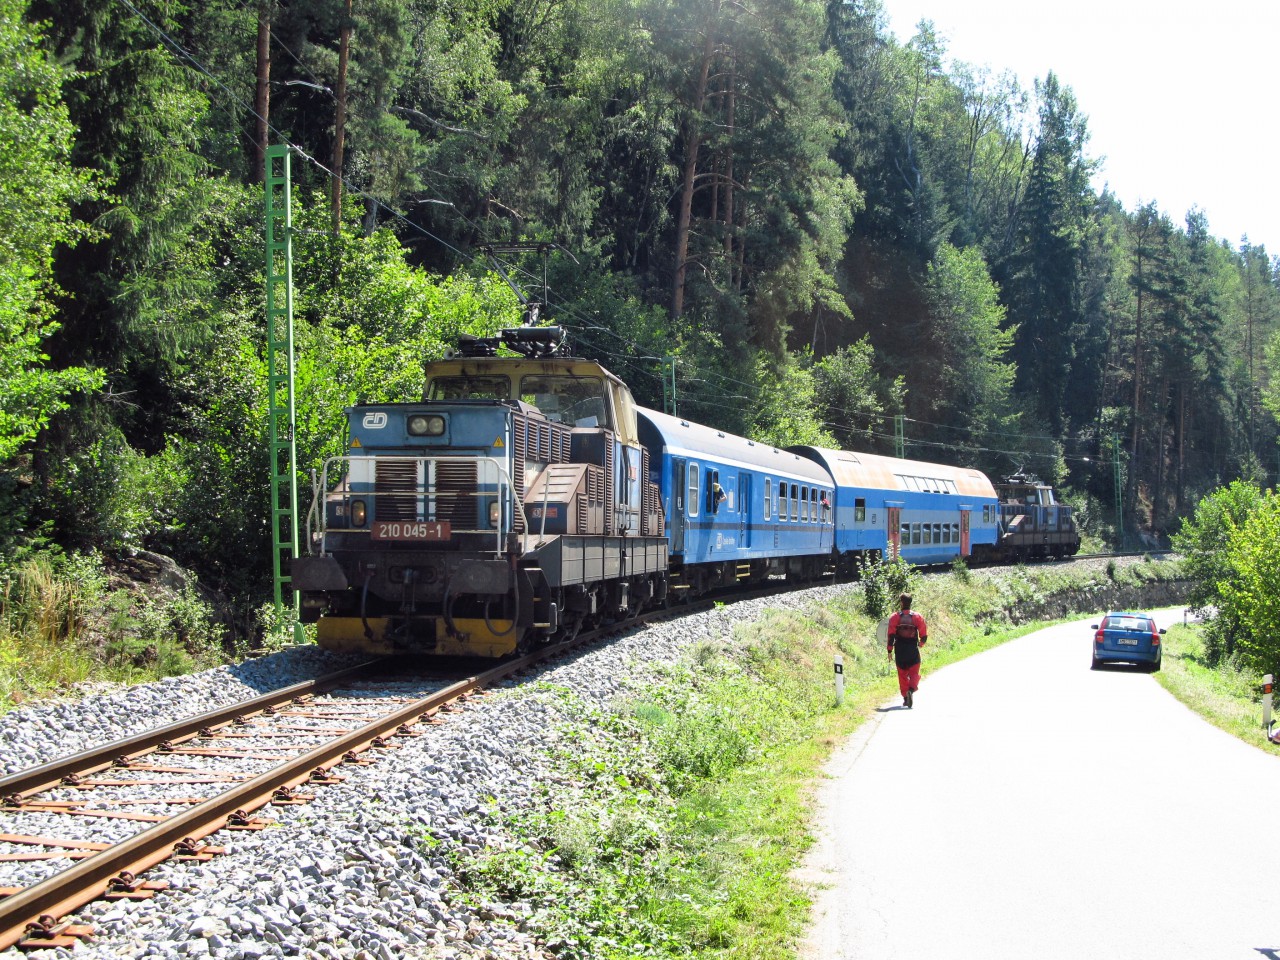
(411, 530)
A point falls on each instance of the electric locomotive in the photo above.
(1033, 525)
(512, 504)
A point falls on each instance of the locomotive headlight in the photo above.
(359, 513)
(495, 509)
(426, 425)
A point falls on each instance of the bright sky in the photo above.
(1182, 98)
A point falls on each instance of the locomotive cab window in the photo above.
(577, 401)
(469, 388)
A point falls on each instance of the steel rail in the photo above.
(56, 896)
(36, 779)
(93, 876)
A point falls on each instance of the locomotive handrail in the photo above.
(500, 478)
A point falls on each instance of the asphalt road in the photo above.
(1030, 808)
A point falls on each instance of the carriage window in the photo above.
(469, 388)
(927, 534)
(813, 504)
(782, 502)
(915, 533)
(795, 502)
(937, 533)
(716, 494)
(577, 401)
(768, 497)
(946, 533)
(904, 535)
(955, 533)
(804, 503)
(860, 509)
(695, 487)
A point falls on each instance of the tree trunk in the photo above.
(1137, 388)
(692, 144)
(262, 94)
(728, 179)
(340, 117)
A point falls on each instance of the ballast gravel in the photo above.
(363, 871)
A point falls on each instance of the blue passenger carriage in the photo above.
(736, 510)
(926, 513)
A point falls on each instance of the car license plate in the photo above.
(411, 530)
(1127, 641)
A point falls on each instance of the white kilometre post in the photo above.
(839, 679)
(1267, 681)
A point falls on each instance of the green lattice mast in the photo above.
(281, 416)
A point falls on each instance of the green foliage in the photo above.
(1250, 594)
(38, 185)
(852, 396)
(787, 414)
(973, 380)
(64, 620)
(1206, 541)
(883, 582)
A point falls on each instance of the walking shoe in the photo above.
(908, 700)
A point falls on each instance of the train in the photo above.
(527, 496)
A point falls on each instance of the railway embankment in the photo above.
(644, 797)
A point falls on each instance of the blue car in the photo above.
(1127, 638)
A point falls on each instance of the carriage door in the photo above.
(894, 517)
(964, 533)
(679, 467)
(744, 509)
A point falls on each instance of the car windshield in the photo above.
(1129, 623)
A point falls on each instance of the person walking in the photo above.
(907, 634)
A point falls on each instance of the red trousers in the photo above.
(909, 678)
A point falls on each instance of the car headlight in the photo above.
(495, 510)
(426, 425)
(359, 513)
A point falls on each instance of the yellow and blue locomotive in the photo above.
(512, 503)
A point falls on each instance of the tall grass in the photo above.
(62, 623)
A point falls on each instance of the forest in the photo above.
(807, 230)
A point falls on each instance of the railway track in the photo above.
(114, 806)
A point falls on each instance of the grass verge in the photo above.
(1226, 696)
(683, 807)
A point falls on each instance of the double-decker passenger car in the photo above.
(926, 513)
